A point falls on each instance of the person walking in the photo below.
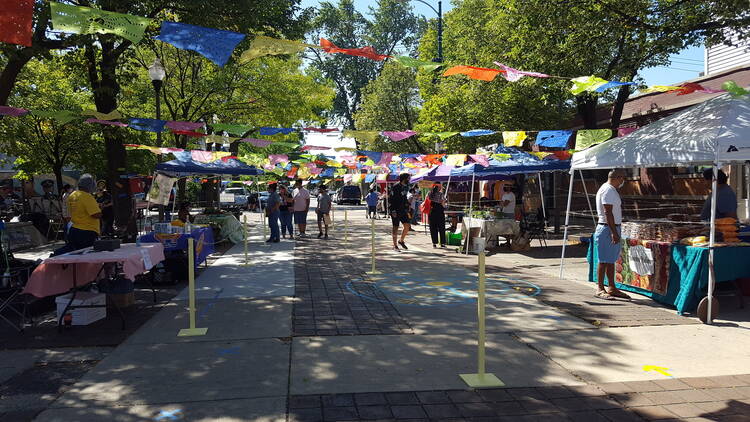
(104, 198)
(607, 234)
(301, 207)
(415, 200)
(272, 212)
(285, 212)
(372, 203)
(85, 216)
(399, 209)
(323, 211)
(436, 217)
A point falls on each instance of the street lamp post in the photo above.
(439, 12)
(157, 74)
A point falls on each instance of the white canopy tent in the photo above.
(715, 132)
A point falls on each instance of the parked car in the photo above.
(349, 195)
(263, 199)
(239, 199)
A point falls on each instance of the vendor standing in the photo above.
(508, 202)
(607, 234)
(85, 215)
(726, 199)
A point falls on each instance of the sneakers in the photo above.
(320, 235)
(326, 236)
(403, 245)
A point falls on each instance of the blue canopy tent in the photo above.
(518, 162)
(234, 167)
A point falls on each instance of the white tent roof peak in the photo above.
(718, 128)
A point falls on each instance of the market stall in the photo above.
(713, 133)
(174, 242)
(514, 162)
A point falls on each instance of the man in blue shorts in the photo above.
(607, 234)
(301, 206)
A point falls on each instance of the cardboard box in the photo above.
(83, 316)
(122, 300)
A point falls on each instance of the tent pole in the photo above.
(586, 192)
(447, 188)
(541, 196)
(747, 190)
(471, 206)
(567, 220)
(711, 242)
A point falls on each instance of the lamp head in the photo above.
(156, 71)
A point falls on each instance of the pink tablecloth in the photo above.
(52, 277)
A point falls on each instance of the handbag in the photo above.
(426, 206)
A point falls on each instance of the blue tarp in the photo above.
(520, 162)
(231, 166)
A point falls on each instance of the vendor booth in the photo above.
(670, 260)
(492, 224)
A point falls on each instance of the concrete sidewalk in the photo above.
(303, 334)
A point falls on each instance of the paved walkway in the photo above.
(303, 334)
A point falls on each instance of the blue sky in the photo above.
(686, 65)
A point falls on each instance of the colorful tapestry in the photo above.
(276, 130)
(267, 46)
(184, 125)
(232, 128)
(612, 84)
(645, 265)
(477, 132)
(214, 44)
(587, 137)
(12, 111)
(261, 143)
(62, 116)
(85, 20)
(189, 133)
(690, 87)
(107, 122)
(480, 159)
(112, 115)
(367, 52)
(659, 88)
(147, 125)
(514, 75)
(586, 83)
(16, 21)
(321, 130)
(733, 89)
(417, 64)
(366, 135)
(399, 136)
(479, 73)
(514, 138)
(314, 148)
(455, 160)
(553, 138)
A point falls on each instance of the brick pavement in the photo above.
(326, 287)
(723, 398)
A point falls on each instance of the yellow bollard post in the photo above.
(373, 271)
(264, 225)
(192, 331)
(244, 236)
(346, 227)
(481, 379)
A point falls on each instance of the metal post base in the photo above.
(481, 380)
(189, 332)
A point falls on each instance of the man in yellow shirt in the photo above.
(85, 214)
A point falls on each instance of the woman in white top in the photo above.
(508, 202)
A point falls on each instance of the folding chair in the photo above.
(535, 228)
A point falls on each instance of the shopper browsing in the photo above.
(323, 211)
(301, 207)
(399, 205)
(607, 234)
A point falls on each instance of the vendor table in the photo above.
(204, 242)
(69, 272)
(59, 274)
(231, 228)
(680, 273)
(488, 229)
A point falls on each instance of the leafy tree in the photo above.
(45, 145)
(393, 28)
(610, 39)
(391, 102)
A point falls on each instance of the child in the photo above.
(323, 211)
(372, 203)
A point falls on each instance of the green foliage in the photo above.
(390, 102)
(393, 27)
(607, 38)
(46, 145)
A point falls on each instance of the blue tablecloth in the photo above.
(204, 242)
(688, 273)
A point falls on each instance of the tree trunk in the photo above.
(10, 73)
(106, 89)
(586, 106)
(57, 171)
